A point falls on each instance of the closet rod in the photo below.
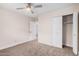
(68, 23)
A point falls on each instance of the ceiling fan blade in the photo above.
(20, 8)
(38, 6)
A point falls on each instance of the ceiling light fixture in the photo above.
(28, 9)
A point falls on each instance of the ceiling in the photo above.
(37, 11)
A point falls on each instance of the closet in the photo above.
(67, 30)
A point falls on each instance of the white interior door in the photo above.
(75, 33)
(33, 29)
(57, 31)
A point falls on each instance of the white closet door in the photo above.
(57, 32)
(75, 33)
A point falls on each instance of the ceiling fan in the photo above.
(29, 7)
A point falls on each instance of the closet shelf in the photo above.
(68, 23)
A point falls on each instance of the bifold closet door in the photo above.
(75, 33)
(57, 31)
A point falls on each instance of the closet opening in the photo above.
(67, 30)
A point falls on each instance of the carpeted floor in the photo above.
(33, 48)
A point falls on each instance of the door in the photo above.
(75, 33)
(57, 31)
(33, 29)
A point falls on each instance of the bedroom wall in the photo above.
(13, 28)
(44, 23)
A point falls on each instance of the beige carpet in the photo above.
(33, 48)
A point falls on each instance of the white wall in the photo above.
(44, 30)
(13, 28)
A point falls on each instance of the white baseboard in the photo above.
(11, 44)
